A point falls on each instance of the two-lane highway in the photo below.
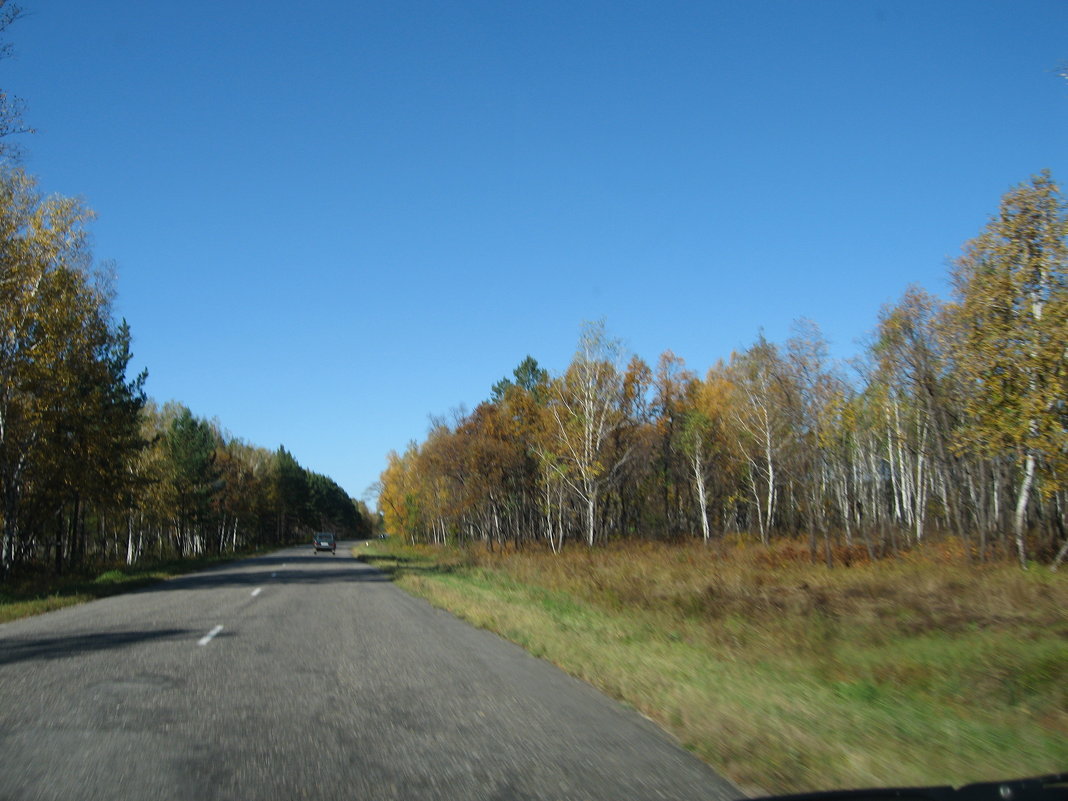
(298, 675)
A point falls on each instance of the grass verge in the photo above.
(37, 593)
(782, 675)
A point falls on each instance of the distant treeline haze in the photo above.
(954, 421)
(89, 470)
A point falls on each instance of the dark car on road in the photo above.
(325, 541)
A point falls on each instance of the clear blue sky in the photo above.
(333, 218)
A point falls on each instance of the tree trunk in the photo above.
(699, 479)
(1021, 508)
(591, 513)
(771, 485)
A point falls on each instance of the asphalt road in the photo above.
(297, 675)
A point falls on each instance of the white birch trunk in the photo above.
(129, 540)
(699, 480)
(1021, 508)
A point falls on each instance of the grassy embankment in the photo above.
(786, 676)
(38, 592)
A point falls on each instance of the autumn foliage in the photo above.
(954, 421)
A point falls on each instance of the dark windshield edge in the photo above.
(1053, 787)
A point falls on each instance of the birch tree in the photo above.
(1009, 333)
(763, 429)
(52, 322)
(586, 405)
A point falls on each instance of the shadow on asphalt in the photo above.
(287, 575)
(292, 567)
(41, 648)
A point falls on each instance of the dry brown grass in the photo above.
(937, 589)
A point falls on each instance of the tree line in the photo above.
(952, 421)
(90, 470)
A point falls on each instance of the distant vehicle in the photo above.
(324, 541)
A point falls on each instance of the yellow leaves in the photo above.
(1010, 323)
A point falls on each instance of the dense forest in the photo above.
(952, 422)
(90, 470)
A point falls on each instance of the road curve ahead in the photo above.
(297, 675)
